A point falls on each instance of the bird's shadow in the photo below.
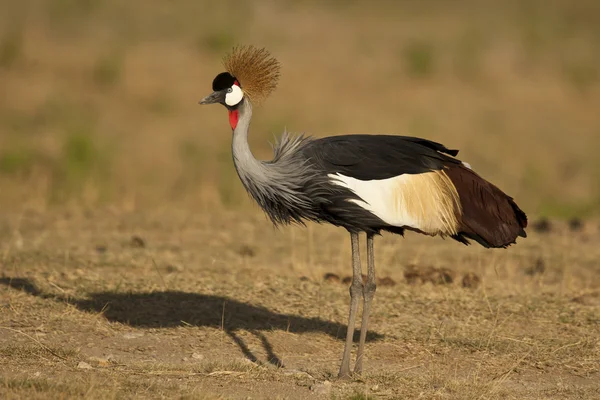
(167, 309)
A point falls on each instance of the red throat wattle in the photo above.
(233, 118)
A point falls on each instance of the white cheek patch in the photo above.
(235, 96)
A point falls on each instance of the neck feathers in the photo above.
(278, 186)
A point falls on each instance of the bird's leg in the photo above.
(368, 294)
(355, 292)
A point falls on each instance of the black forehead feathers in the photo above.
(223, 81)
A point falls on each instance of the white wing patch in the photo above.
(427, 202)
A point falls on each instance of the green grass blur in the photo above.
(99, 99)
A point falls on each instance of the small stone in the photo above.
(173, 268)
(386, 281)
(437, 276)
(321, 388)
(198, 356)
(538, 268)
(542, 226)
(137, 242)
(297, 372)
(471, 280)
(575, 224)
(84, 365)
(411, 274)
(246, 251)
(132, 335)
(331, 277)
(445, 276)
(101, 362)
(348, 279)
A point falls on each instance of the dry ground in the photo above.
(206, 305)
(98, 111)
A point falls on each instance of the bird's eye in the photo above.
(229, 90)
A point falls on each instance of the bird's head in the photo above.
(251, 74)
(226, 91)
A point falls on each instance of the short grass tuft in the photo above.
(217, 41)
(420, 59)
(108, 70)
(17, 161)
(11, 49)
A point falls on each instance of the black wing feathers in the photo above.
(368, 157)
(432, 145)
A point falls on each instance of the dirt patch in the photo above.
(123, 323)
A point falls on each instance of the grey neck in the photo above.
(248, 167)
(286, 186)
(240, 147)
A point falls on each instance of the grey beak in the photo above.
(214, 97)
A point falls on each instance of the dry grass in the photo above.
(134, 266)
(185, 309)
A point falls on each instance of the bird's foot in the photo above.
(345, 373)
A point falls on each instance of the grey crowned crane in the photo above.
(364, 183)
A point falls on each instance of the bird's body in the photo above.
(364, 183)
(373, 183)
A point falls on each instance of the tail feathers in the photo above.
(489, 216)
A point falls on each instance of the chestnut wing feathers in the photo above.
(489, 216)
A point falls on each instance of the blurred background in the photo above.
(98, 99)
